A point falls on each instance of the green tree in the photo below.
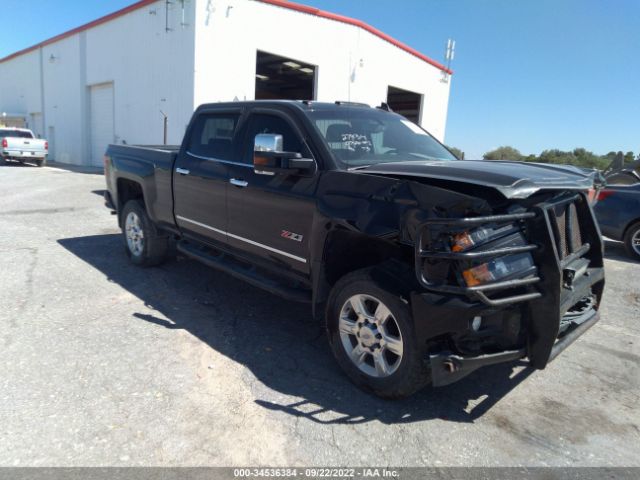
(457, 152)
(503, 153)
(629, 157)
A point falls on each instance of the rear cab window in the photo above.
(15, 133)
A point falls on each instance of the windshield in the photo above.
(360, 136)
(15, 133)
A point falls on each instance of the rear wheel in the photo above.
(372, 337)
(41, 162)
(144, 244)
(632, 241)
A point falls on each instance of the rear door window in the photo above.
(212, 136)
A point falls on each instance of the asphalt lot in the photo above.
(104, 363)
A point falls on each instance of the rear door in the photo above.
(201, 175)
(270, 216)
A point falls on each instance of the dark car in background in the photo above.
(618, 207)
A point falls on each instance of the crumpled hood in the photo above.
(512, 179)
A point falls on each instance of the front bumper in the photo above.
(447, 367)
(552, 306)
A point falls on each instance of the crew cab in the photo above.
(21, 145)
(422, 266)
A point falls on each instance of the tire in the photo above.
(144, 244)
(632, 241)
(3, 161)
(365, 335)
(41, 162)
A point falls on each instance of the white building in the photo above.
(109, 80)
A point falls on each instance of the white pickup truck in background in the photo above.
(21, 145)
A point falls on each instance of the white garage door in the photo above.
(102, 123)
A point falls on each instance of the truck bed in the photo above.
(151, 166)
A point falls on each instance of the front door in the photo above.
(270, 216)
(201, 175)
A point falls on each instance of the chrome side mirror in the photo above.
(269, 159)
(268, 142)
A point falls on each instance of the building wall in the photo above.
(150, 69)
(353, 64)
(208, 55)
(20, 86)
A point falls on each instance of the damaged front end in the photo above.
(523, 281)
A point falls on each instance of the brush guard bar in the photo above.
(478, 292)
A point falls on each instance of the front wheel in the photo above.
(372, 337)
(632, 241)
(144, 245)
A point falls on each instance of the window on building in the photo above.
(406, 103)
(283, 78)
(212, 136)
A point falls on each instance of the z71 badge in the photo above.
(291, 236)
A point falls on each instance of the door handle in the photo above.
(238, 183)
(182, 171)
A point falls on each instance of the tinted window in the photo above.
(623, 178)
(212, 135)
(15, 134)
(262, 123)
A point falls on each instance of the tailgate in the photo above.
(27, 145)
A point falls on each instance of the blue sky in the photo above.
(534, 74)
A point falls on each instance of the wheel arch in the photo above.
(629, 225)
(346, 251)
(128, 189)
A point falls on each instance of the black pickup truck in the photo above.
(424, 267)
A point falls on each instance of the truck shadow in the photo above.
(279, 343)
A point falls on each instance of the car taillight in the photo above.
(46, 145)
(604, 194)
(4, 143)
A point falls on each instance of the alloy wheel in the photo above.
(635, 241)
(134, 234)
(370, 336)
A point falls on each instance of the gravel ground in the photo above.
(107, 364)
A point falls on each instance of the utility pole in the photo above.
(165, 123)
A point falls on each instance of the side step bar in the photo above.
(250, 275)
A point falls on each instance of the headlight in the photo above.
(479, 236)
(492, 238)
(498, 269)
